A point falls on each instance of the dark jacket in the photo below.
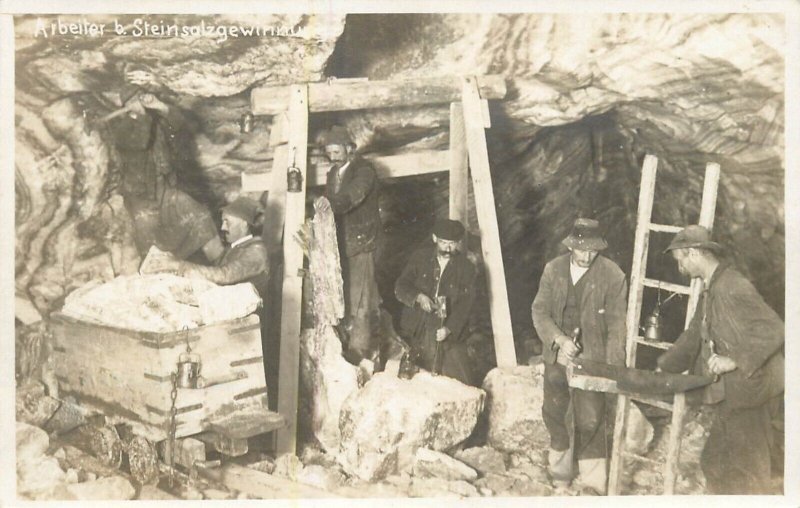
(420, 275)
(602, 307)
(355, 207)
(743, 327)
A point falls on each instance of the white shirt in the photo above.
(241, 240)
(576, 272)
(341, 169)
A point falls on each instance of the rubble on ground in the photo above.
(383, 424)
(514, 408)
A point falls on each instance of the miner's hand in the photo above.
(718, 364)
(567, 346)
(425, 302)
(142, 78)
(442, 333)
(150, 101)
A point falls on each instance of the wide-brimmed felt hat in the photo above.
(336, 135)
(693, 236)
(447, 229)
(244, 208)
(585, 235)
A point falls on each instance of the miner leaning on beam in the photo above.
(579, 310)
(735, 336)
(352, 189)
(438, 335)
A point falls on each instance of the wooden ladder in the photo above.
(638, 282)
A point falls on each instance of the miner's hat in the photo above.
(446, 229)
(336, 135)
(585, 235)
(244, 208)
(694, 236)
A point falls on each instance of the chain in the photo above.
(172, 413)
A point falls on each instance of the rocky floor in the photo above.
(55, 466)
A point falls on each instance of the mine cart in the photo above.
(153, 389)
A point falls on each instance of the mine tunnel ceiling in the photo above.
(588, 97)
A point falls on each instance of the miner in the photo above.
(437, 288)
(244, 260)
(352, 189)
(152, 140)
(737, 338)
(579, 310)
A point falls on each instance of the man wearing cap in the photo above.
(246, 258)
(735, 336)
(439, 269)
(352, 189)
(579, 309)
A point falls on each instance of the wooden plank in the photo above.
(669, 286)
(674, 444)
(348, 96)
(459, 171)
(291, 300)
(386, 166)
(262, 485)
(487, 222)
(665, 228)
(275, 212)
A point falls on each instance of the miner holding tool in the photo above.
(579, 309)
(737, 338)
(437, 289)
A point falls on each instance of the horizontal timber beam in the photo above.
(386, 166)
(350, 95)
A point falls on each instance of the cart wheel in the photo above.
(107, 446)
(143, 460)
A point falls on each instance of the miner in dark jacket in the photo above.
(581, 291)
(735, 336)
(352, 189)
(439, 269)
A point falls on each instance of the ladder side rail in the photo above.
(633, 316)
(708, 209)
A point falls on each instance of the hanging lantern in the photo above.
(246, 123)
(294, 177)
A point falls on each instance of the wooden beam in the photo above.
(276, 199)
(334, 96)
(487, 222)
(459, 171)
(291, 301)
(386, 166)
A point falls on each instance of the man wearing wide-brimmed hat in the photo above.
(439, 273)
(735, 336)
(352, 189)
(579, 309)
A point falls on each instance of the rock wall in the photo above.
(589, 96)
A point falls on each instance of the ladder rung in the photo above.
(669, 286)
(652, 402)
(653, 343)
(665, 228)
(643, 459)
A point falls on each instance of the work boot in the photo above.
(559, 464)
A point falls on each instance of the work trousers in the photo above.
(362, 302)
(736, 457)
(588, 413)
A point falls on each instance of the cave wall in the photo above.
(589, 96)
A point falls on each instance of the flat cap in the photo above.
(447, 229)
(693, 236)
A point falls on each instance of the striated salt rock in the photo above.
(383, 424)
(327, 379)
(514, 407)
(321, 477)
(639, 431)
(483, 459)
(32, 443)
(428, 463)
